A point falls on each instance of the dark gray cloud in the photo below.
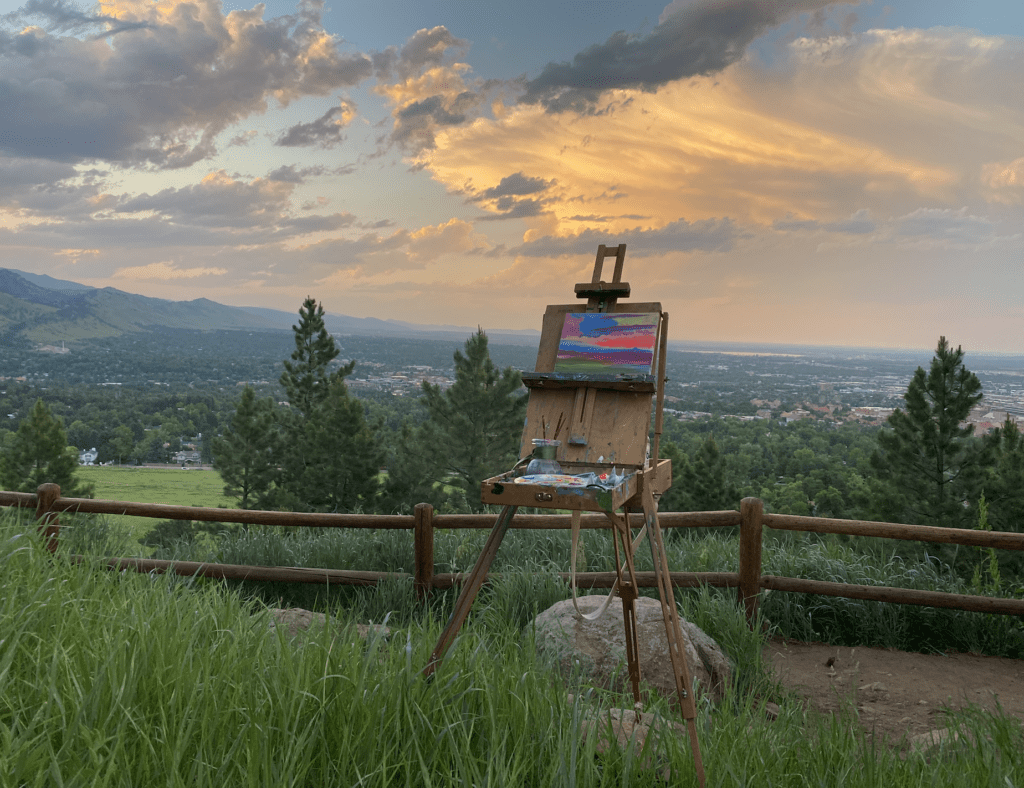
(291, 173)
(217, 201)
(511, 208)
(417, 122)
(65, 17)
(694, 37)
(158, 96)
(708, 235)
(515, 184)
(324, 132)
(427, 88)
(37, 187)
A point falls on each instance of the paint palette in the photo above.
(551, 480)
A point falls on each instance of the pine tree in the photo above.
(926, 459)
(698, 483)
(472, 429)
(39, 453)
(306, 379)
(1004, 487)
(247, 456)
(338, 461)
(329, 457)
(705, 478)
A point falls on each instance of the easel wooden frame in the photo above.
(606, 420)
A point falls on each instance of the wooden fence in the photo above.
(748, 579)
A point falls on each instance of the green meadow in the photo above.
(193, 487)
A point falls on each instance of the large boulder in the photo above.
(596, 650)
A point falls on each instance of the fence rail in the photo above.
(748, 579)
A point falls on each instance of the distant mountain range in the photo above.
(41, 309)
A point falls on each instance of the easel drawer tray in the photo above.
(504, 491)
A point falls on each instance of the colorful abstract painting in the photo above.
(599, 343)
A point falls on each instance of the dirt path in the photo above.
(896, 692)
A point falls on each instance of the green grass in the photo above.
(155, 485)
(120, 679)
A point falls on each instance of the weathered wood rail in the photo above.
(748, 579)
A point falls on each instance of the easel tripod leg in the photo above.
(471, 588)
(673, 630)
(627, 591)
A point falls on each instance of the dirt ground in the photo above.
(896, 692)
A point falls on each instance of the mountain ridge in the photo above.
(41, 309)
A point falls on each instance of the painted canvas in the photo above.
(600, 343)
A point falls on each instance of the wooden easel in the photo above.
(603, 422)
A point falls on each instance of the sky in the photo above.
(782, 171)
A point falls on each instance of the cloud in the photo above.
(218, 200)
(74, 255)
(424, 49)
(372, 254)
(834, 136)
(160, 91)
(64, 17)
(165, 271)
(515, 184)
(292, 173)
(243, 138)
(511, 208)
(16, 175)
(945, 225)
(711, 235)
(1005, 181)
(692, 38)
(429, 91)
(859, 223)
(324, 132)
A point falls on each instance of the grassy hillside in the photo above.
(120, 679)
(14, 312)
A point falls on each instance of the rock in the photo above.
(597, 649)
(295, 621)
(618, 728)
(941, 742)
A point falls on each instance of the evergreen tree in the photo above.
(338, 458)
(705, 479)
(306, 379)
(39, 453)
(698, 484)
(1004, 487)
(926, 461)
(247, 456)
(472, 429)
(330, 459)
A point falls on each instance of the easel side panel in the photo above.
(545, 407)
(616, 430)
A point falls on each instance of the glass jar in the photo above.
(544, 461)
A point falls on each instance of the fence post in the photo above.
(46, 494)
(751, 512)
(423, 544)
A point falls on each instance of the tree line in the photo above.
(325, 450)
